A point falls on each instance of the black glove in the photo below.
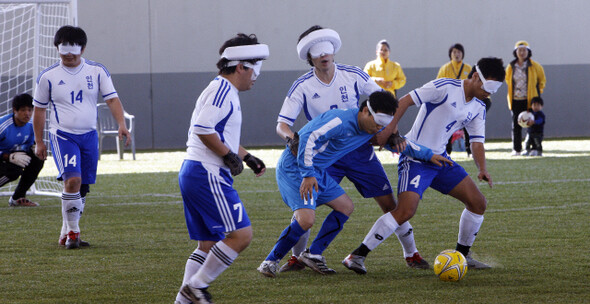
(233, 161)
(394, 140)
(255, 163)
(293, 143)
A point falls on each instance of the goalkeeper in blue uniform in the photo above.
(16, 153)
(305, 184)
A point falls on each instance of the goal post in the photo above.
(27, 28)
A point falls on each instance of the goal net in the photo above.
(26, 48)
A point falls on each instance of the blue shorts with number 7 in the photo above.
(417, 176)
(75, 154)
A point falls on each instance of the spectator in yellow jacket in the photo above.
(525, 79)
(455, 68)
(386, 73)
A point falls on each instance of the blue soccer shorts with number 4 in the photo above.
(417, 176)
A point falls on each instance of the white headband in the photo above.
(246, 52)
(490, 86)
(381, 119)
(318, 36)
(64, 49)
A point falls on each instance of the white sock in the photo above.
(64, 227)
(193, 264)
(381, 230)
(469, 227)
(219, 259)
(71, 204)
(405, 235)
(302, 243)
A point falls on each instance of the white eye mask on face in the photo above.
(321, 48)
(381, 119)
(64, 49)
(490, 86)
(256, 67)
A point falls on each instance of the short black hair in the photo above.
(70, 35)
(381, 102)
(239, 39)
(537, 99)
(459, 47)
(22, 100)
(491, 67)
(309, 30)
(527, 58)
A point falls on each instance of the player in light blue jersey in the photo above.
(71, 89)
(305, 184)
(215, 215)
(446, 105)
(329, 85)
(16, 153)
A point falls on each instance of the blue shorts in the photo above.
(289, 180)
(417, 176)
(364, 170)
(212, 206)
(75, 154)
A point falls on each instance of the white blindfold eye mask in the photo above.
(490, 86)
(321, 48)
(65, 49)
(381, 119)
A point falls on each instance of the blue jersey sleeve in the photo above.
(414, 150)
(313, 139)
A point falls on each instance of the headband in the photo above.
(64, 49)
(246, 52)
(381, 119)
(318, 36)
(490, 86)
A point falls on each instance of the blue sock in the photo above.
(289, 237)
(332, 225)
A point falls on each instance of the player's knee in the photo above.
(305, 223)
(480, 205)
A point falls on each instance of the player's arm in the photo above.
(403, 105)
(119, 114)
(422, 153)
(38, 128)
(479, 157)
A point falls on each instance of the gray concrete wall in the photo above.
(163, 53)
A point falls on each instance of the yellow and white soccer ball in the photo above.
(450, 265)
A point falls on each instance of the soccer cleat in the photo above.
(292, 265)
(475, 264)
(196, 295)
(417, 262)
(62, 242)
(268, 269)
(515, 153)
(534, 153)
(73, 240)
(21, 202)
(355, 263)
(526, 153)
(316, 262)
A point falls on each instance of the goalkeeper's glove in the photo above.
(20, 159)
(255, 163)
(233, 161)
(293, 143)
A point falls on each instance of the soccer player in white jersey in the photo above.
(71, 88)
(215, 215)
(446, 105)
(329, 85)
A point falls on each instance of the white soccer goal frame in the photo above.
(44, 185)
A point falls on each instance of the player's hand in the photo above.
(124, 132)
(440, 160)
(293, 143)
(397, 142)
(255, 163)
(233, 161)
(41, 150)
(308, 185)
(530, 122)
(20, 159)
(485, 176)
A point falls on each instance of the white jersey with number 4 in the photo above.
(314, 97)
(444, 110)
(71, 95)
